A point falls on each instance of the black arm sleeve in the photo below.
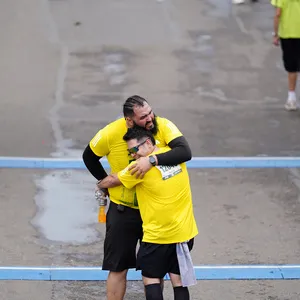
(180, 152)
(91, 161)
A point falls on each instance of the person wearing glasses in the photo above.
(166, 208)
(123, 222)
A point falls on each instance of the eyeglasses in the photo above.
(135, 149)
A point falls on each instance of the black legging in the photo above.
(154, 292)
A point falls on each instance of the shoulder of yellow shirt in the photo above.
(161, 120)
(161, 150)
(117, 123)
(113, 130)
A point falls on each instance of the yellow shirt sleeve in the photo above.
(100, 142)
(169, 131)
(277, 3)
(128, 180)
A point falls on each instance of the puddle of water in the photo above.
(67, 209)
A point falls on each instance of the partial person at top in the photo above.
(287, 35)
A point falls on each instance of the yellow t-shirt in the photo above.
(165, 203)
(289, 26)
(109, 142)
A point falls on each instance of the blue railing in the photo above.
(246, 272)
(195, 163)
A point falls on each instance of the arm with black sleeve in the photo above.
(180, 152)
(93, 164)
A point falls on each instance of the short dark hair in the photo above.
(130, 103)
(139, 134)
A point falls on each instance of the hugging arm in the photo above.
(180, 152)
(110, 181)
(93, 164)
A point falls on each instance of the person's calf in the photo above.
(116, 285)
(292, 81)
(153, 292)
(181, 293)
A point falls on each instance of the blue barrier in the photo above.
(247, 272)
(195, 163)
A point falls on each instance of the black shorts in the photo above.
(123, 231)
(156, 260)
(291, 54)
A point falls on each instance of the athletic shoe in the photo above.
(291, 105)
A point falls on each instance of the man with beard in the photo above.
(124, 224)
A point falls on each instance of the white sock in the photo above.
(292, 96)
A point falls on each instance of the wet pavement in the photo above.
(209, 67)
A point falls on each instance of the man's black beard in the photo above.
(153, 130)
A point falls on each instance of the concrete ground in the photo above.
(67, 67)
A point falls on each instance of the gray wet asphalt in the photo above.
(208, 66)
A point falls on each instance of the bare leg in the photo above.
(116, 285)
(148, 280)
(292, 77)
(291, 103)
(175, 279)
